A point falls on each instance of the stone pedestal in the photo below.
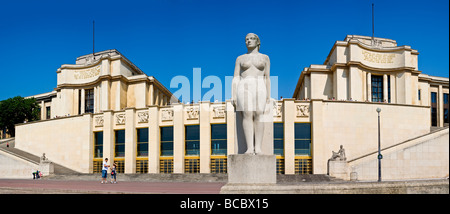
(47, 168)
(338, 169)
(252, 169)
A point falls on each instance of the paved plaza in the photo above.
(30, 186)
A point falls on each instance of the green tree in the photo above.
(17, 110)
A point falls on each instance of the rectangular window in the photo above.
(166, 165)
(278, 139)
(120, 162)
(98, 152)
(302, 139)
(142, 142)
(418, 95)
(389, 88)
(377, 88)
(39, 113)
(166, 141)
(446, 108)
(218, 139)
(433, 97)
(192, 164)
(48, 112)
(98, 144)
(219, 165)
(433, 109)
(142, 165)
(119, 148)
(89, 101)
(79, 101)
(192, 140)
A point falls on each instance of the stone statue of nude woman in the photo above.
(251, 92)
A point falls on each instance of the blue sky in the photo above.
(171, 37)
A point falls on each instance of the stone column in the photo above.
(369, 87)
(231, 128)
(393, 89)
(96, 99)
(43, 111)
(289, 136)
(140, 95)
(385, 88)
(178, 138)
(153, 139)
(108, 136)
(307, 83)
(319, 154)
(340, 84)
(151, 94)
(440, 107)
(76, 101)
(354, 87)
(156, 96)
(88, 145)
(83, 101)
(105, 91)
(130, 140)
(205, 137)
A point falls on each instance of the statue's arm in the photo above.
(235, 82)
(267, 78)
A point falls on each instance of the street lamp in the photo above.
(379, 149)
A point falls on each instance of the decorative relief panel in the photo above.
(192, 113)
(98, 120)
(219, 112)
(120, 119)
(167, 114)
(143, 117)
(277, 109)
(302, 110)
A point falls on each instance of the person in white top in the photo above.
(105, 170)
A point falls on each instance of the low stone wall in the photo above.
(15, 167)
(426, 157)
(12, 166)
(398, 187)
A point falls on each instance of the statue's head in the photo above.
(252, 40)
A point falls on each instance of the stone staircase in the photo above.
(58, 169)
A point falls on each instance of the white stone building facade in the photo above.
(108, 108)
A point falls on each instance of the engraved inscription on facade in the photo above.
(87, 73)
(302, 111)
(142, 117)
(378, 57)
(98, 121)
(120, 119)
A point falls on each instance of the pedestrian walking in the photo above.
(114, 173)
(105, 170)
